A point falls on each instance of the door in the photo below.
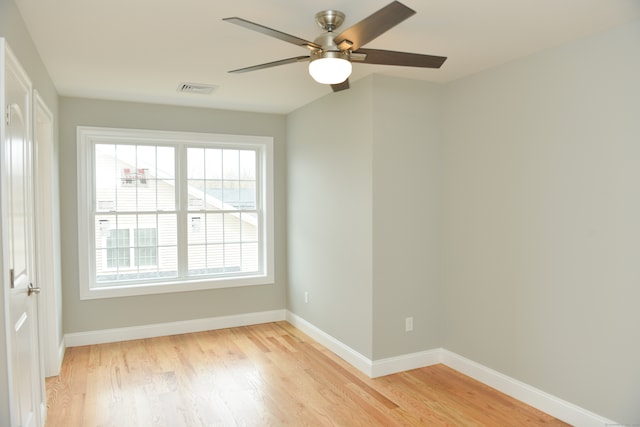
(17, 217)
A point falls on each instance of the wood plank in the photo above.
(269, 374)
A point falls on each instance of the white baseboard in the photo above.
(532, 396)
(406, 362)
(350, 355)
(43, 410)
(556, 407)
(53, 361)
(365, 365)
(171, 328)
(61, 350)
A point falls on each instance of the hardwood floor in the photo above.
(262, 375)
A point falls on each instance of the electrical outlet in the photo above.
(306, 297)
(408, 324)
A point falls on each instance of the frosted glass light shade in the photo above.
(330, 71)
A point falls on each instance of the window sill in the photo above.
(87, 293)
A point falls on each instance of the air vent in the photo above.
(200, 88)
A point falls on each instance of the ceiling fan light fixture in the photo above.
(330, 67)
(331, 56)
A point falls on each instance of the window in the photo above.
(146, 249)
(118, 249)
(172, 211)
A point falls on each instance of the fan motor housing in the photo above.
(326, 41)
(329, 54)
(329, 19)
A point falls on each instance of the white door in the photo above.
(17, 217)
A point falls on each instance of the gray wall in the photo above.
(13, 29)
(89, 315)
(407, 240)
(329, 203)
(542, 229)
(364, 215)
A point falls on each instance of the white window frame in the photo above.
(133, 250)
(88, 137)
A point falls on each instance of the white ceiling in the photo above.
(142, 50)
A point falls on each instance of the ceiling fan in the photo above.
(330, 56)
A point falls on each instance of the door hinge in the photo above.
(12, 279)
(7, 116)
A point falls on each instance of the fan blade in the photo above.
(271, 64)
(273, 33)
(391, 57)
(373, 26)
(340, 86)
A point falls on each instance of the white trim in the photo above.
(43, 411)
(47, 237)
(556, 407)
(171, 328)
(372, 369)
(405, 362)
(61, 350)
(350, 355)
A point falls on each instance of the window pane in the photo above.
(215, 258)
(103, 225)
(146, 192)
(247, 195)
(126, 195)
(166, 163)
(128, 180)
(166, 194)
(214, 195)
(196, 194)
(106, 177)
(195, 163)
(146, 252)
(250, 257)
(146, 257)
(230, 164)
(167, 262)
(144, 222)
(215, 228)
(231, 228)
(146, 159)
(126, 221)
(145, 178)
(213, 163)
(248, 165)
(231, 194)
(248, 228)
(118, 249)
(145, 237)
(197, 260)
(232, 258)
(197, 229)
(167, 230)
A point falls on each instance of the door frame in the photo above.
(47, 236)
